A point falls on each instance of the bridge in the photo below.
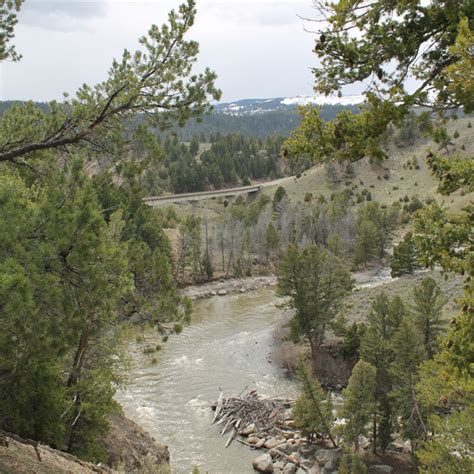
(226, 194)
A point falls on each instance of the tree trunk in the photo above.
(74, 376)
(374, 441)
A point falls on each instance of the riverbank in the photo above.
(129, 448)
(228, 286)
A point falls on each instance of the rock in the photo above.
(294, 457)
(248, 430)
(306, 463)
(259, 444)
(380, 469)
(300, 471)
(222, 292)
(287, 434)
(263, 463)
(242, 290)
(286, 448)
(278, 465)
(272, 443)
(290, 423)
(214, 293)
(325, 456)
(253, 440)
(289, 468)
(309, 451)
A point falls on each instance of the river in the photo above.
(227, 345)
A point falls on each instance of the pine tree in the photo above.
(404, 260)
(366, 242)
(313, 411)
(428, 302)
(315, 281)
(272, 242)
(376, 348)
(359, 403)
(409, 353)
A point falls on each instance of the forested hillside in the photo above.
(258, 125)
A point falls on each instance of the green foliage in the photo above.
(313, 411)
(272, 242)
(155, 80)
(280, 193)
(405, 258)
(315, 282)
(376, 348)
(352, 464)
(8, 20)
(427, 309)
(230, 160)
(374, 231)
(448, 394)
(445, 238)
(77, 253)
(359, 402)
(63, 273)
(409, 353)
(352, 339)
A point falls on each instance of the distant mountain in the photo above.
(260, 106)
(252, 117)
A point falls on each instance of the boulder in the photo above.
(253, 440)
(380, 469)
(222, 292)
(263, 463)
(259, 444)
(248, 430)
(309, 451)
(306, 463)
(289, 468)
(272, 443)
(286, 448)
(278, 465)
(294, 457)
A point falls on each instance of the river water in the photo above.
(227, 345)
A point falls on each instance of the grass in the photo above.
(356, 306)
(393, 179)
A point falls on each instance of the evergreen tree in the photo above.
(194, 146)
(280, 193)
(366, 242)
(313, 411)
(404, 260)
(272, 242)
(352, 464)
(359, 403)
(315, 282)
(376, 348)
(409, 353)
(427, 307)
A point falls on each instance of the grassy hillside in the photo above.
(391, 180)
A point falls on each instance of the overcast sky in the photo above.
(258, 48)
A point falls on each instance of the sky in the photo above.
(259, 48)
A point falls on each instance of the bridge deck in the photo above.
(157, 200)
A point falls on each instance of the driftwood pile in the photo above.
(248, 410)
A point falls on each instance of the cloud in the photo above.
(259, 13)
(61, 15)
